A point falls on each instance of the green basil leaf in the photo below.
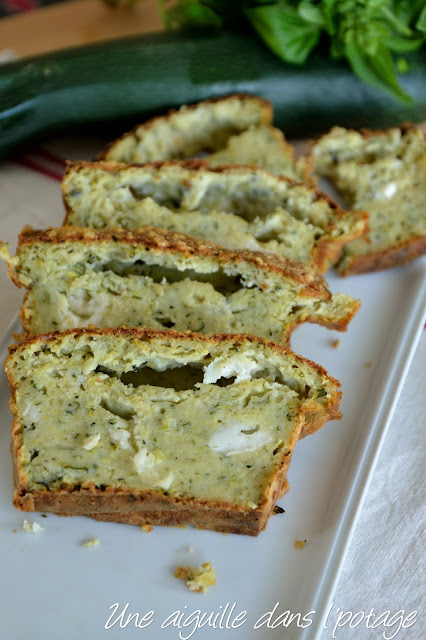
(377, 70)
(407, 10)
(403, 45)
(421, 22)
(397, 25)
(284, 31)
(331, 16)
(311, 13)
(188, 13)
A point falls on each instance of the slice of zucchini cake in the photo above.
(237, 207)
(233, 129)
(384, 173)
(190, 130)
(157, 427)
(154, 278)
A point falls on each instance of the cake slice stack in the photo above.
(145, 390)
(150, 426)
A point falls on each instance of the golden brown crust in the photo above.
(222, 520)
(25, 321)
(162, 241)
(400, 254)
(156, 508)
(404, 127)
(226, 522)
(265, 108)
(328, 253)
(341, 325)
(315, 420)
(13, 276)
(247, 522)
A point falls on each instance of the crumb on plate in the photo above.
(147, 528)
(335, 343)
(368, 365)
(91, 543)
(18, 337)
(299, 544)
(197, 579)
(32, 527)
(278, 509)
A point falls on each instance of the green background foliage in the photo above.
(372, 35)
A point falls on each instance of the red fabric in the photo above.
(16, 6)
(45, 162)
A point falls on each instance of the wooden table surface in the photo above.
(74, 23)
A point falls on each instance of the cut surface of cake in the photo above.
(185, 132)
(234, 206)
(383, 173)
(151, 427)
(264, 147)
(78, 277)
(234, 129)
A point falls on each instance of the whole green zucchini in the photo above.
(127, 80)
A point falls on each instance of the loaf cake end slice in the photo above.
(383, 173)
(190, 130)
(144, 426)
(234, 129)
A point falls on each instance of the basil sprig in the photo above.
(365, 32)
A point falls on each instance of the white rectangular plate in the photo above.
(54, 587)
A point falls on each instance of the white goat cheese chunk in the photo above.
(143, 461)
(120, 437)
(165, 483)
(390, 190)
(242, 367)
(91, 442)
(236, 438)
(31, 413)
